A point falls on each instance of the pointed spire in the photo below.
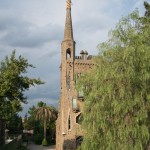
(68, 34)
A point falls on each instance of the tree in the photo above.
(117, 92)
(13, 84)
(15, 124)
(30, 122)
(146, 22)
(147, 7)
(41, 104)
(46, 113)
(38, 125)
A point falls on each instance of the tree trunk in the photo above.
(45, 128)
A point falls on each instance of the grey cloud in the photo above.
(7, 3)
(32, 36)
(50, 74)
(92, 24)
(50, 90)
(54, 53)
(17, 32)
(10, 22)
(50, 65)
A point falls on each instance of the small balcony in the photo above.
(80, 95)
(75, 106)
(76, 109)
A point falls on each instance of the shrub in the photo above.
(44, 142)
(38, 139)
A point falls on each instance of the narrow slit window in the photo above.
(69, 123)
(68, 82)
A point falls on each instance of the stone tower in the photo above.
(68, 130)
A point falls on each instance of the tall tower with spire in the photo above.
(68, 130)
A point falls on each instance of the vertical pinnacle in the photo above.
(68, 34)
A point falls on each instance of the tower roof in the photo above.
(68, 33)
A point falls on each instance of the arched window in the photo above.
(68, 53)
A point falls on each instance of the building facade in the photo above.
(68, 130)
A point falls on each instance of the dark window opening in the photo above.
(68, 53)
(79, 140)
(79, 118)
(69, 123)
(68, 82)
(75, 79)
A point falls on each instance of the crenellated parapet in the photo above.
(84, 56)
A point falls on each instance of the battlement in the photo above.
(84, 56)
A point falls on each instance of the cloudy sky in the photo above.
(35, 29)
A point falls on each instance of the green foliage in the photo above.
(147, 7)
(13, 84)
(46, 113)
(117, 91)
(30, 122)
(146, 23)
(51, 132)
(41, 104)
(8, 112)
(38, 139)
(14, 124)
(44, 142)
(13, 80)
(36, 121)
(2, 132)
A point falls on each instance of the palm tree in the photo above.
(46, 113)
